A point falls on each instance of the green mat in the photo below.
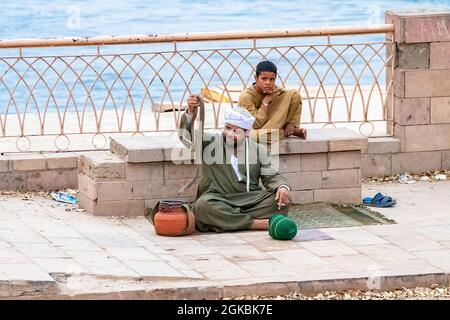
(326, 215)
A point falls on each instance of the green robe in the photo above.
(223, 202)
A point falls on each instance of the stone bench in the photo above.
(139, 171)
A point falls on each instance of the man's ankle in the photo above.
(260, 224)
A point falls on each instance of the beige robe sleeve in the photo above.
(295, 109)
(247, 101)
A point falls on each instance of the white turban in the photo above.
(239, 117)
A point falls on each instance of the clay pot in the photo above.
(171, 221)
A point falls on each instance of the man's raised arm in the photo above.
(186, 128)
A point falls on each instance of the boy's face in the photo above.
(265, 81)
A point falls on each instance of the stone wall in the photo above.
(143, 170)
(421, 110)
(38, 172)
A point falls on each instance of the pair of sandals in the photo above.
(379, 200)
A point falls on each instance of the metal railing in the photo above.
(101, 93)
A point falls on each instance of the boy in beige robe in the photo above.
(276, 110)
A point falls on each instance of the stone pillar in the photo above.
(421, 109)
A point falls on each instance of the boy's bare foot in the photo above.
(301, 133)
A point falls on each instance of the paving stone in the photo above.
(109, 238)
(72, 244)
(152, 268)
(60, 231)
(40, 250)
(328, 248)
(220, 239)
(384, 252)
(356, 237)
(358, 262)
(263, 268)
(389, 230)
(188, 247)
(192, 274)
(437, 258)
(12, 256)
(4, 245)
(93, 258)
(29, 272)
(215, 267)
(242, 252)
(131, 253)
(272, 245)
(298, 257)
(410, 266)
(413, 243)
(115, 270)
(175, 262)
(311, 235)
(60, 265)
(436, 232)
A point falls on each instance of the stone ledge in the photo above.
(38, 161)
(168, 147)
(383, 145)
(251, 287)
(419, 26)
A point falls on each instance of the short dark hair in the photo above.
(266, 66)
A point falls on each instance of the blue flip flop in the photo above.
(379, 200)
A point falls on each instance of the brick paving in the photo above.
(47, 248)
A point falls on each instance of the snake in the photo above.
(197, 138)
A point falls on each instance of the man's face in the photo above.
(265, 81)
(233, 134)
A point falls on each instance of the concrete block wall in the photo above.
(140, 171)
(111, 186)
(38, 172)
(326, 176)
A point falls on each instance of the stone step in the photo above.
(169, 147)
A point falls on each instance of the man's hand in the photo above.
(282, 197)
(193, 103)
(289, 130)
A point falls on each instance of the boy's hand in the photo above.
(269, 97)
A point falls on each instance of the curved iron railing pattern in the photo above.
(98, 94)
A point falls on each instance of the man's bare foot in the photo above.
(301, 133)
(260, 224)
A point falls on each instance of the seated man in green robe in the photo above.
(277, 110)
(229, 196)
